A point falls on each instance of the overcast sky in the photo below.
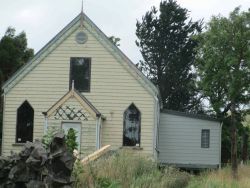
(43, 19)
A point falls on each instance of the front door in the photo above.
(77, 127)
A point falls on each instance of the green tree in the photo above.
(167, 47)
(13, 53)
(223, 64)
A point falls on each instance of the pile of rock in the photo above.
(35, 167)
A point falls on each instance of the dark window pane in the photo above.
(205, 138)
(131, 129)
(24, 127)
(80, 73)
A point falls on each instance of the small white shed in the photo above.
(189, 140)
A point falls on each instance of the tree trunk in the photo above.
(244, 147)
(234, 143)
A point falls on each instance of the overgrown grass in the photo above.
(128, 170)
(222, 179)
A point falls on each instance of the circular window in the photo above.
(81, 37)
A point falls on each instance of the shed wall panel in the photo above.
(180, 140)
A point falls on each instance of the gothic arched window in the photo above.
(131, 126)
(24, 126)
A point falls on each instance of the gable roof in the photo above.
(80, 98)
(59, 38)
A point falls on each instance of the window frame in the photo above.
(203, 142)
(70, 75)
(18, 123)
(139, 124)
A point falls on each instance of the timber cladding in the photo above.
(112, 89)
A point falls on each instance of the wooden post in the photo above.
(95, 155)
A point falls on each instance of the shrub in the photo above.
(70, 137)
(71, 140)
(47, 138)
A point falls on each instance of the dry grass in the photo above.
(125, 169)
(222, 179)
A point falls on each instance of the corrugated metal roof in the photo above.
(190, 115)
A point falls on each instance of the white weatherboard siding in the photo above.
(180, 141)
(113, 89)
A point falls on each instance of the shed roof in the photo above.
(190, 115)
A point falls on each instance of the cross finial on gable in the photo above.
(82, 15)
(82, 7)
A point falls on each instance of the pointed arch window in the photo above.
(24, 126)
(131, 126)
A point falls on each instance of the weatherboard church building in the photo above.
(81, 80)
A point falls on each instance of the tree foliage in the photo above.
(115, 40)
(13, 53)
(223, 63)
(167, 47)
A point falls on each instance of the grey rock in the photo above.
(35, 167)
